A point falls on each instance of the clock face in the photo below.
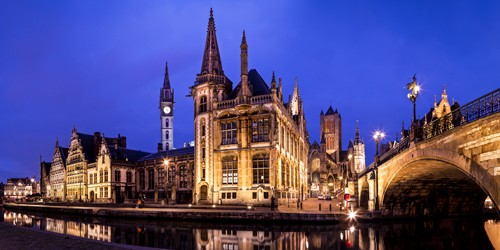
(166, 110)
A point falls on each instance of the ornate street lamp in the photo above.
(414, 89)
(377, 136)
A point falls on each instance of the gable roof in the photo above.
(91, 147)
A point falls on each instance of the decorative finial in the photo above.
(244, 38)
(211, 13)
(274, 78)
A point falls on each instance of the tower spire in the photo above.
(166, 79)
(295, 98)
(211, 63)
(244, 89)
(356, 138)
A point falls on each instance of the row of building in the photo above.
(251, 144)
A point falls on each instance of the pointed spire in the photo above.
(356, 137)
(321, 113)
(273, 81)
(244, 55)
(166, 79)
(244, 92)
(444, 95)
(211, 63)
(295, 98)
(280, 89)
(57, 142)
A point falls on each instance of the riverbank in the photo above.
(190, 213)
(14, 237)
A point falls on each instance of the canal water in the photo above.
(416, 234)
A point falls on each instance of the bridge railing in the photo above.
(483, 106)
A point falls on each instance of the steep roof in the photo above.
(257, 85)
(330, 111)
(90, 147)
(125, 154)
(314, 145)
(169, 153)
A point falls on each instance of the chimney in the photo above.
(115, 143)
(123, 142)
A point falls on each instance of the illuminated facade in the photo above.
(19, 188)
(250, 145)
(57, 174)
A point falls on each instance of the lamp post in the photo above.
(414, 89)
(377, 136)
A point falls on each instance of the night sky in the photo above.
(99, 65)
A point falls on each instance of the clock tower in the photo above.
(167, 113)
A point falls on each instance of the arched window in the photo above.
(230, 170)
(166, 123)
(167, 134)
(203, 104)
(260, 164)
(167, 146)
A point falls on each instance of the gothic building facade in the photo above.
(331, 169)
(250, 145)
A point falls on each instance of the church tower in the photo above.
(331, 132)
(359, 152)
(166, 113)
(211, 86)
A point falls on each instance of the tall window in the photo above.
(203, 104)
(151, 178)
(129, 177)
(203, 130)
(283, 173)
(228, 130)
(142, 180)
(183, 177)
(260, 130)
(260, 164)
(230, 170)
(166, 123)
(171, 175)
(168, 146)
(167, 134)
(161, 177)
(101, 176)
(117, 176)
(106, 176)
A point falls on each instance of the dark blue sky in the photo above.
(99, 65)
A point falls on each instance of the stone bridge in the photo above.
(449, 167)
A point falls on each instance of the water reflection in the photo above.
(431, 234)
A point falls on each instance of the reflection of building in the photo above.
(249, 143)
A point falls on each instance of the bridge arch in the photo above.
(428, 181)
